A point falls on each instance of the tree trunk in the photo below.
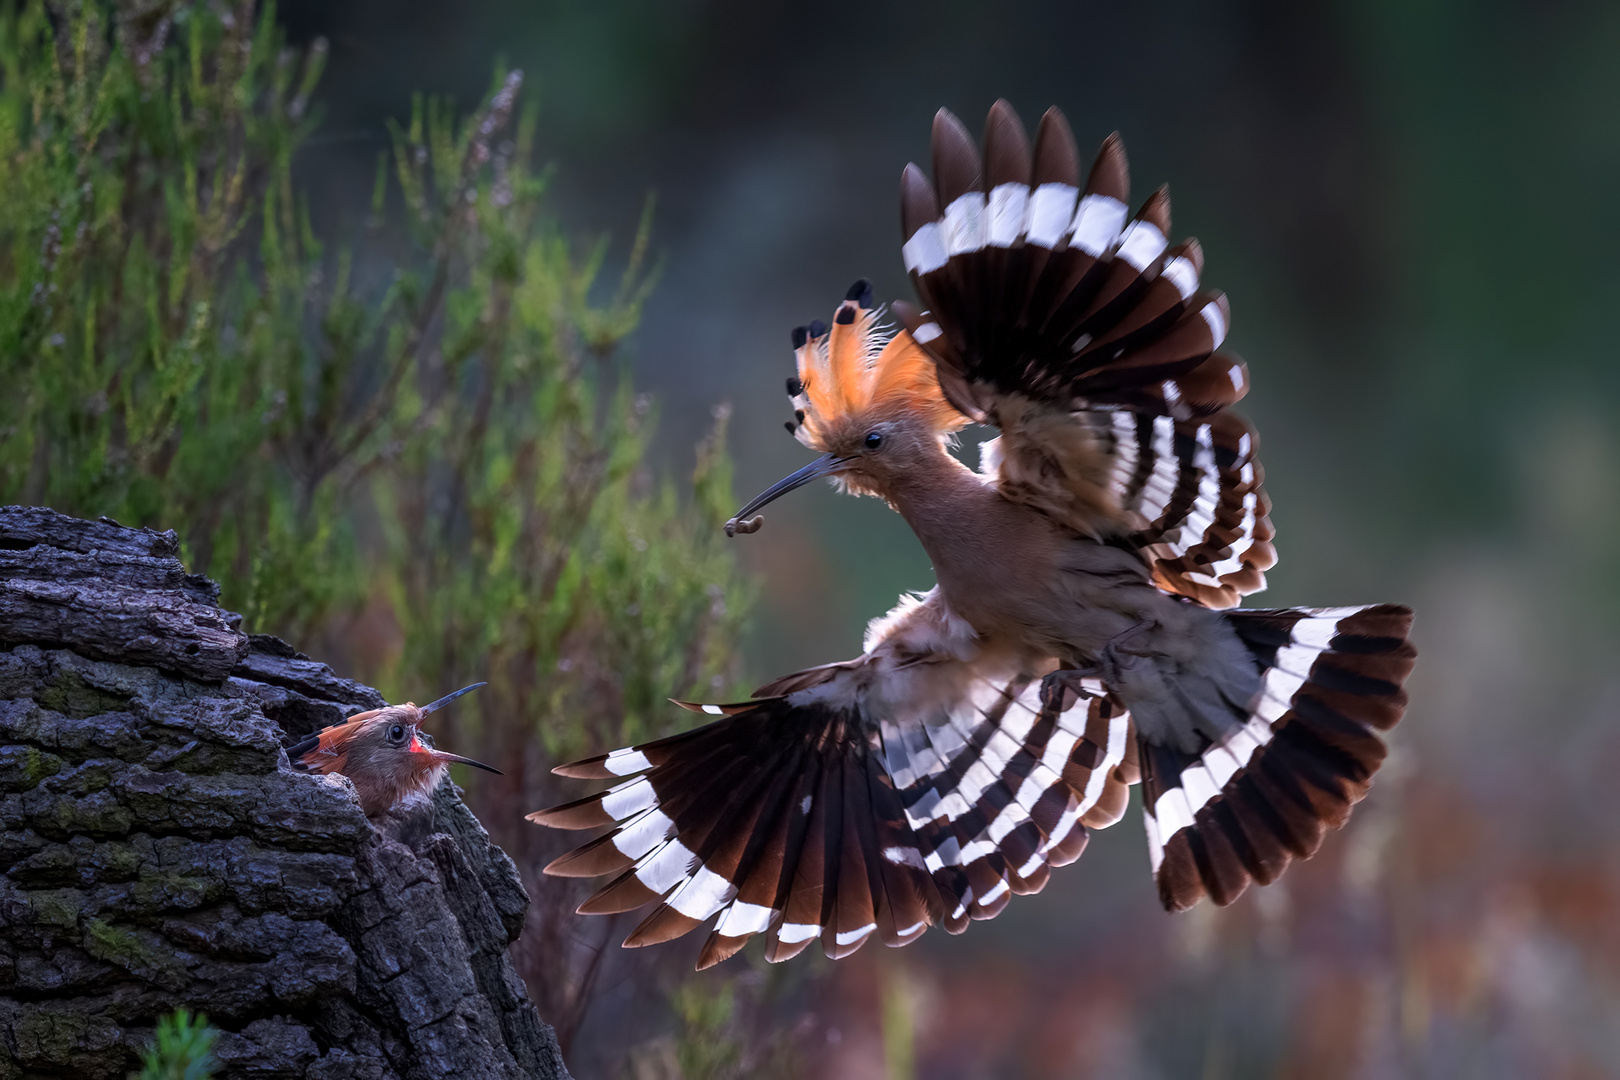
(159, 852)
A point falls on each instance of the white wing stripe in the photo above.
(1049, 210)
(644, 833)
(1155, 845)
(629, 798)
(666, 867)
(965, 224)
(996, 892)
(1097, 223)
(1097, 782)
(704, 894)
(925, 251)
(1009, 210)
(1141, 244)
(1199, 785)
(1172, 811)
(1296, 660)
(1058, 749)
(1126, 452)
(792, 933)
(1162, 483)
(850, 937)
(742, 919)
(1217, 324)
(625, 762)
(1181, 273)
(1018, 720)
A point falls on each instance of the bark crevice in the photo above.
(159, 852)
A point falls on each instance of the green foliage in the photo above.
(527, 544)
(187, 353)
(705, 1052)
(139, 147)
(182, 1049)
(899, 1025)
(730, 1030)
(429, 432)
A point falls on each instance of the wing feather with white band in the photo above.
(914, 787)
(1083, 334)
(1241, 808)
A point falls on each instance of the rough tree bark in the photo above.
(159, 852)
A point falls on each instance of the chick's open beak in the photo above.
(457, 759)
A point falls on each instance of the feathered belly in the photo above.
(1065, 599)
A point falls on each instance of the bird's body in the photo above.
(1031, 587)
(1082, 636)
(1011, 571)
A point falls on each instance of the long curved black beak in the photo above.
(824, 465)
(447, 699)
(457, 758)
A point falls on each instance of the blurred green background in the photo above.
(1413, 207)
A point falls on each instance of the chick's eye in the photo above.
(874, 439)
(396, 734)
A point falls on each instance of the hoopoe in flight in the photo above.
(1082, 636)
(382, 752)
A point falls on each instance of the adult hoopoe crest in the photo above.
(1082, 636)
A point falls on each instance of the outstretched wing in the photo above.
(1240, 809)
(1081, 333)
(920, 785)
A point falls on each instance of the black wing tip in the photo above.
(296, 752)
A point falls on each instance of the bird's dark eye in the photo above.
(396, 734)
(874, 439)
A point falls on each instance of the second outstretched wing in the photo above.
(1083, 335)
(920, 785)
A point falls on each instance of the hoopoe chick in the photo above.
(382, 752)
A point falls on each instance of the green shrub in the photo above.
(453, 453)
(182, 1049)
(144, 156)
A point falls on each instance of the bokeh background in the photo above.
(1414, 209)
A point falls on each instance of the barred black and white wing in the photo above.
(1241, 808)
(1192, 495)
(921, 785)
(1083, 334)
